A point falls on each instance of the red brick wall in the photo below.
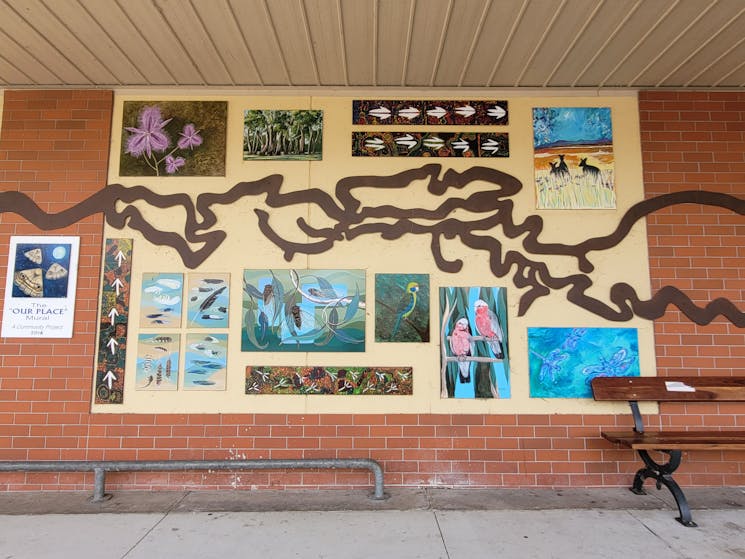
(54, 145)
(696, 141)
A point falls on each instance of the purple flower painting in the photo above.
(173, 138)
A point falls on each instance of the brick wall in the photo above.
(54, 145)
(696, 141)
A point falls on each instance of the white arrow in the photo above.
(375, 143)
(490, 145)
(112, 343)
(409, 112)
(113, 313)
(496, 112)
(407, 140)
(119, 258)
(462, 145)
(381, 112)
(434, 142)
(466, 111)
(437, 112)
(109, 378)
(117, 284)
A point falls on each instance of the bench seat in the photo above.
(678, 440)
(705, 389)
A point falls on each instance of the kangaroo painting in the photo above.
(573, 158)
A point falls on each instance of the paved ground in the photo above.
(426, 523)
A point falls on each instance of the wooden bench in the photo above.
(672, 443)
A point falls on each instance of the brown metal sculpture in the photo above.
(354, 219)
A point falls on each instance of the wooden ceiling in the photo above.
(269, 44)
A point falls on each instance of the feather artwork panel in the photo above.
(207, 300)
(161, 300)
(157, 361)
(205, 361)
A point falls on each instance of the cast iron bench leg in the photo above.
(663, 474)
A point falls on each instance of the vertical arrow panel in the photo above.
(114, 320)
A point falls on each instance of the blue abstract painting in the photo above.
(563, 361)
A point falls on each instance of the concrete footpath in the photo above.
(426, 523)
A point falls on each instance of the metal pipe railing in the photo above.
(101, 467)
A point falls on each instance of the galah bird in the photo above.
(406, 305)
(487, 324)
(460, 345)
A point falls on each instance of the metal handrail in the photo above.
(101, 467)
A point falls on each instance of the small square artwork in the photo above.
(173, 138)
(401, 307)
(563, 361)
(157, 362)
(205, 361)
(207, 300)
(282, 135)
(160, 302)
(573, 158)
(474, 360)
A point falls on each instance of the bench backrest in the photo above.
(669, 389)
